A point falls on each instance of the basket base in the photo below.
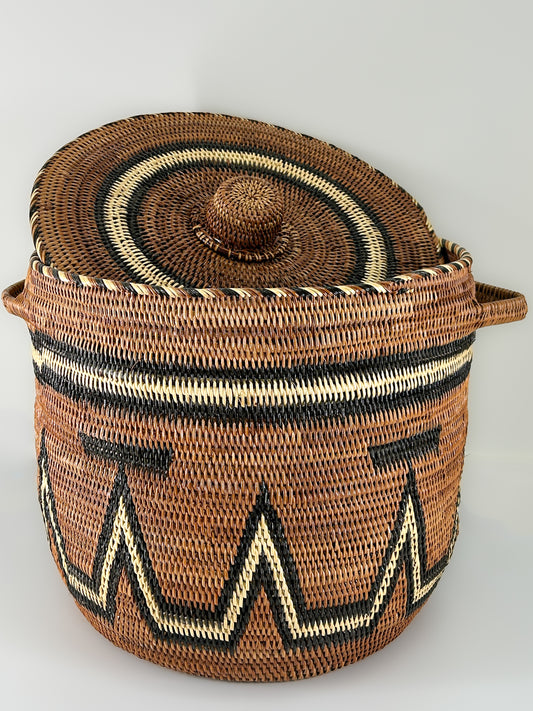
(253, 660)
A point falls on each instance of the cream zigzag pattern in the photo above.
(263, 560)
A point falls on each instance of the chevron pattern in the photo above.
(263, 561)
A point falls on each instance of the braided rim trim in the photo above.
(463, 260)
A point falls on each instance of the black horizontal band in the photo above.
(304, 372)
(258, 408)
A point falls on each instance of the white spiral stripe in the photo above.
(115, 207)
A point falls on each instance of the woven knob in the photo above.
(245, 214)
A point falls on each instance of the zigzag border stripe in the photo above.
(263, 560)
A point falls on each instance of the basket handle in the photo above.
(497, 305)
(15, 302)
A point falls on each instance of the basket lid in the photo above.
(204, 200)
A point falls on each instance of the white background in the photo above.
(435, 94)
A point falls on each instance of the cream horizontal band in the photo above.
(232, 393)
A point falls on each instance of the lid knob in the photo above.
(245, 214)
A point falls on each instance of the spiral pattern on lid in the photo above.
(204, 200)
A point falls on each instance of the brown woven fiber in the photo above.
(251, 355)
(198, 200)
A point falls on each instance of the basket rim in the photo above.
(462, 259)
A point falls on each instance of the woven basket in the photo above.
(251, 355)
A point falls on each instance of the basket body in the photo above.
(252, 488)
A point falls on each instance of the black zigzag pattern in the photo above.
(263, 561)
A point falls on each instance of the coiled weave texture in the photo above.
(253, 488)
(251, 356)
(203, 200)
